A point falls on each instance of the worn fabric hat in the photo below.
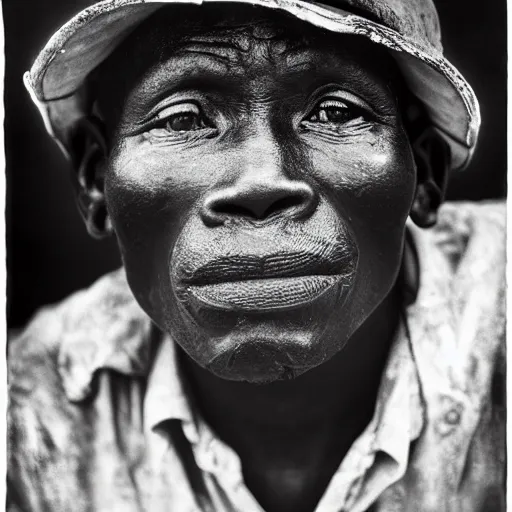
(410, 29)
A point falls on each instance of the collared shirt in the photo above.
(88, 398)
(376, 460)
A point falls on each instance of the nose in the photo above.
(259, 202)
(260, 192)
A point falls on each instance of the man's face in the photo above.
(259, 182)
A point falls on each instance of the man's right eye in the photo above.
(184, 123)
(181, 118)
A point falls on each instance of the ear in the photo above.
(89, 153)
(432, 158)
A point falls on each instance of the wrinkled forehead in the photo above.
(237, 33)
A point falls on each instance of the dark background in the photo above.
(49, 253)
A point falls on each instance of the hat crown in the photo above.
(415, 19)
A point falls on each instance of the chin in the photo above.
(260, 361)
(265, 350)
(261, 347)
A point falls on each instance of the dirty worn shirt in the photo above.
(377, 459)
(100, 419)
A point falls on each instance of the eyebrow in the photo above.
(208, 71)
(226, 52)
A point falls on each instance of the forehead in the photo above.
(233, 42)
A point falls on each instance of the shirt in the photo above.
(96, 424)
(377, 459)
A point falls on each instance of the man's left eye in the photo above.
(333, 111)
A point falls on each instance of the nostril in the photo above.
(234, 210)
(258, 208)
(291, 203)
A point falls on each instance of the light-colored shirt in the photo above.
(100, 420)
(376, 460)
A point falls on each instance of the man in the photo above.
(281, 337)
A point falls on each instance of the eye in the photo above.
(334, 112)
(182, 118)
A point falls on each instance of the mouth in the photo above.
(273, 282)
(262, 277)
(280, 265)
(263, 295)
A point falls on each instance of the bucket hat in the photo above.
(409, 29)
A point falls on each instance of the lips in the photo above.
(279, 281)
(264, 294)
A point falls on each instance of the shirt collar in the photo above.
(166, 395)
(399, 413)
(379, 456)
(397, 420)
(102, 327)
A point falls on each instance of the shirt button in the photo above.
(452, 417)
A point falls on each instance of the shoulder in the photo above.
(472, 239)
(465, 250)
(64, 344)
(470, 230)
(460, 312)
(34, 358)
(82, 320)
(51, 367)
(457, 329)
(51, 364)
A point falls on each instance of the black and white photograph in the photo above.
(256, 255)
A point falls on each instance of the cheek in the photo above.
(367, 174)
(371, 182)
(149, 197)
(381, 200)
(156, 179)
(372, 185)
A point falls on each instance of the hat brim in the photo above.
(57, 78)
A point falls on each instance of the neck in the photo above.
(340, 393)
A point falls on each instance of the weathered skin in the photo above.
(258, 177)
(257, 188)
